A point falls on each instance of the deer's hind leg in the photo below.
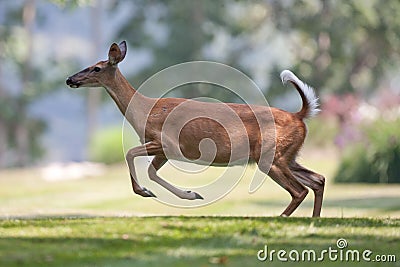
(312, 180)
(282, 175)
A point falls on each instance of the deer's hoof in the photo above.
(198, 196)
(194, 195)
(147, 193)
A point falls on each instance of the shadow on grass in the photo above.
(382, 203)
(152, 250)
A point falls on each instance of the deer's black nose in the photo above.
(68, 81)
(71, 83)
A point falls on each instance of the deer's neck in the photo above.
(132, 104)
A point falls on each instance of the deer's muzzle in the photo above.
(71, 83)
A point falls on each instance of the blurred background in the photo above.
(51, 135)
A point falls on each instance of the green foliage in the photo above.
(184, 26)
(375, 160)
(321, 131)
(335, 46)
(106, 146)
(20, 131)
(72, 3)
(343, 46)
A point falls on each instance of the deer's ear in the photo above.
(122, 46)
(114, 54)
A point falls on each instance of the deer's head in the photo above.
(94, 76)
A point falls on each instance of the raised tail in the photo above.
(307, 94)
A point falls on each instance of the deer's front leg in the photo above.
(148, 149)
(155, 165)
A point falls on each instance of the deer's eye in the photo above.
(96, 69)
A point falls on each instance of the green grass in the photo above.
(185, 241)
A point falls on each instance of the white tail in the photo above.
(310, 107)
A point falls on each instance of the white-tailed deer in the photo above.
(150, 115)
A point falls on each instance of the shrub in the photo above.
(374, 160)
(106, 145)
(321, 131)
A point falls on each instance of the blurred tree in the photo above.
(71, 3)
(94, 94)
(19, 132)
(341, 46)
(174, 31)
(336, 46)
